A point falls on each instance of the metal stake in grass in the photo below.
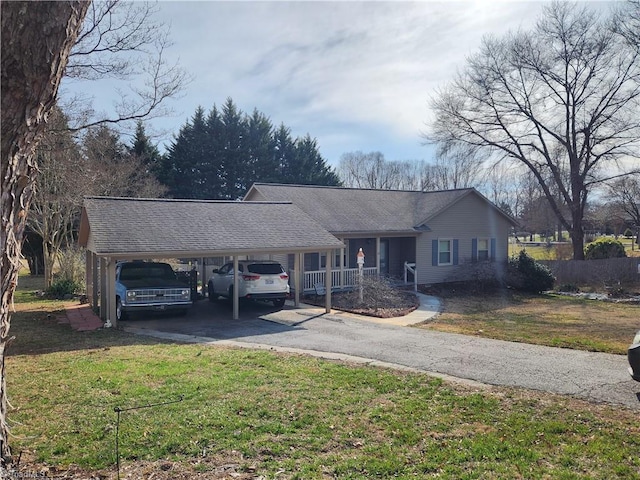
(119, 410)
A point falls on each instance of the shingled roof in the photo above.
(146, 228)
(353, 210)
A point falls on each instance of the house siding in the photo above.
(468, 219)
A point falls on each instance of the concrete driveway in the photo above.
(597, 377)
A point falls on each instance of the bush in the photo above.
(604, 248)
(63, 287)
(524, 273)
(70, 278)
(568, 287)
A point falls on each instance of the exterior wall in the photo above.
(470, 218)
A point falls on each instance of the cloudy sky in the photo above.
(354, 75)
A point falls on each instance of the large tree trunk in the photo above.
(577, 233)
(36, 40)
(49, 253)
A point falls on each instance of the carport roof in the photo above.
(147, 228)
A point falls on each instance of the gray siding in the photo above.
(467, 219)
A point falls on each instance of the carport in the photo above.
(115, 229)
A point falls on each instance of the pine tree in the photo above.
(261, 163)
(236, 154)
(308, 167)
(143, 148)
(221, 156)
(180, 171)
(284, 153)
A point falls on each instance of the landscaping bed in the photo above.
(379, 300)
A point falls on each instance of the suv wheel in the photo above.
(278, 302)
(211, 293)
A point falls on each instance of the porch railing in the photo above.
(349, 277)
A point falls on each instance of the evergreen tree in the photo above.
(308, 167)
(212, 165)
(180, 171)
(261, 163)
(143, 148)
(221, 156)
(236, 154)
(284, 152)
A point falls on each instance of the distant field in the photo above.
(561, 251)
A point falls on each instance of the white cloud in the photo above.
(343, 72)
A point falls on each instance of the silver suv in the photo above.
(259, 280)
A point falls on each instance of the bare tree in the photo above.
(58, 191)
(372, 170)
(111, 169)
(365, 170)
(627, 22)
(625, 195)
(502, 186)
(36, 40)
(561, 100)
(104, 166)
(458, 165)
(121, 41)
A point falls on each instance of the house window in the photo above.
(322, 256)
(483, 249)
(444, 252)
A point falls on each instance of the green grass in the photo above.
(289, 416)
(552, 320)
(564, 252)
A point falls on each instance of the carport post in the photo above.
(297, 274)
(111, 293)
(236, 301)
(103, 289)
(327, 306)
(95, 285)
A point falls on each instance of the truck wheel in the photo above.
(120, 314)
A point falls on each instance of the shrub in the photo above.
(604, 248)
(63, 287)
(70, 278)
(524, 273)
(568, 287)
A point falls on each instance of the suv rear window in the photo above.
(265, 268)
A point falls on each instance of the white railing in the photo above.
(411, 268)
(349, 277)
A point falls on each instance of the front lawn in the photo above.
(553, 320)
(256, 414)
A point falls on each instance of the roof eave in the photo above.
(376, 233)
(214, 253)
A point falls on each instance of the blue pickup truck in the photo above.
(149, 286)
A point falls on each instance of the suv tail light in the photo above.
(284, 276)
(251, 277)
